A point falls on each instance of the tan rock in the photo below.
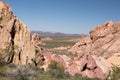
(114, 60)
(100, 32)
(36, 39)
(101, 62)
(103, 40)
(39, 58)
(15, 43)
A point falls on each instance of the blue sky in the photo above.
(68, 16)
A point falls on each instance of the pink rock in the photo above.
(89, 67)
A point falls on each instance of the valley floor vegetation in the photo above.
(58, 41)
(54, 72)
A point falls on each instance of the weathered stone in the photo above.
(90, 68)
(100, 32)
(39, 58)
(15, 43)
(36, 39)
(104, 42)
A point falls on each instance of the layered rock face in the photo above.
(103, 40)
(103, 45)
(15, 43)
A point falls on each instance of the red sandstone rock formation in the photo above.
(103, 42)
(93, 52)
(84, 64)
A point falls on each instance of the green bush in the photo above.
(55, 70)
(80, 77)
(25, 72)
(77, 77)
(114, 74)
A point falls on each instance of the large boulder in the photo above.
(89, 66)
(15, 43)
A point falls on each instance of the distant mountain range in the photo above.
(56, 34)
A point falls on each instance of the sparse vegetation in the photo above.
(58, 41)
(55, 70)
(114, 74)
(27, 72)
(63, 52)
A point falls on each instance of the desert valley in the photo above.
(26, 55)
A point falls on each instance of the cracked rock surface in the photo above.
(15, 43)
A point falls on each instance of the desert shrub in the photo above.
(12, 66)
(55, 70)
(2, 68)
(3, 75)
(24, 72)
(4, 78)
(77, 77)
(80, 77)
(114, 74)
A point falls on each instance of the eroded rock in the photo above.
(102, 44)
(15, 43)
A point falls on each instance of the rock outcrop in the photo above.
(95, 54)
(103, 44)
(39, 58)
(15, 43)
(103, 40)
(83, 64)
